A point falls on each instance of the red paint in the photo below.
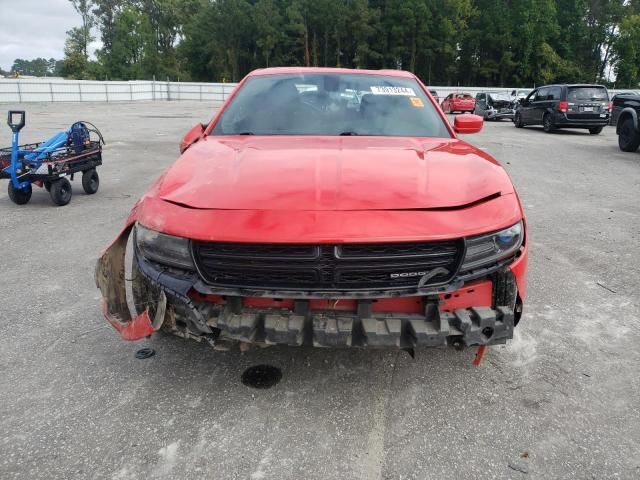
(468, 123)
(519, 269)
(282, 226)
(479, 355)
(135, 329)
(473, 294)
(192, 136)
(301, 173)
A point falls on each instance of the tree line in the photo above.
(444, 42)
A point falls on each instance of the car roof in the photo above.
(572, 85)
(306, 70)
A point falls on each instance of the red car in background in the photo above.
(459, 102)
(325, 207)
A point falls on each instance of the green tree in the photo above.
(627, 53)
(83, 34)
(75, 60)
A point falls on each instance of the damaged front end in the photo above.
(500, 106)
(479, 306)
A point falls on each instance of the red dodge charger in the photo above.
(459, 102)
(325, 207)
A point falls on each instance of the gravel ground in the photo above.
(561, 401)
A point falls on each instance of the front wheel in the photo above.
(628, 137)
(517, 121)
(547, 123)
(18, 195)
(90, 181)
(61, 192)
(595, 130)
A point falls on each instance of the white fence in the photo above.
(41, 90)
(56, 90)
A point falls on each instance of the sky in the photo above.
(34, 28)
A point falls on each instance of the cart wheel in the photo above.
(19, 196)
(90, 181)
(61, 191)
(47, 185)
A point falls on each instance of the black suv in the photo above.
(565, 106)
(626, 110)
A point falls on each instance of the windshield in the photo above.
(331, 104)
(577, 94)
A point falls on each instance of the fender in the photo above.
(628, 111)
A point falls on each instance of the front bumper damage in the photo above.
(494, 114)
(178, 304)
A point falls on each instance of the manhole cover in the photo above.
(261, 376)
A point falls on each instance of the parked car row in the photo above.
(554, 107)
(489, 105)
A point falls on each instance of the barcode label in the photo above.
(393, 91)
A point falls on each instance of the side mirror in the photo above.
(468, 123)
(192, 136)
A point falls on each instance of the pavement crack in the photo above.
(374, 458)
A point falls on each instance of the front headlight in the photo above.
(488, 249)
(163, 248)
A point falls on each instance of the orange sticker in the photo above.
(416, 102)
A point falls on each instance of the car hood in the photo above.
(331, 174)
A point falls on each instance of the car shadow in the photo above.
(562, 131)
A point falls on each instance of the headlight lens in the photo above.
(163, 248)
(487, 249)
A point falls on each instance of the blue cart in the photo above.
(52, 163)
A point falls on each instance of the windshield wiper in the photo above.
(246, 133)
(349, 134)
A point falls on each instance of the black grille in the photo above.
(327, 267)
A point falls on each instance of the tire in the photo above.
(517, 121)
(47, 186)
(628, 137)
(61, 192)
(547, 123)
(19, 196)
(595, 130)
(90, 181)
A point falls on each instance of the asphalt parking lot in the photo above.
(561, 401)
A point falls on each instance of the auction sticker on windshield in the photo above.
(393, 91)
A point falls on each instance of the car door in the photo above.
(540, 105)
(526, 107)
